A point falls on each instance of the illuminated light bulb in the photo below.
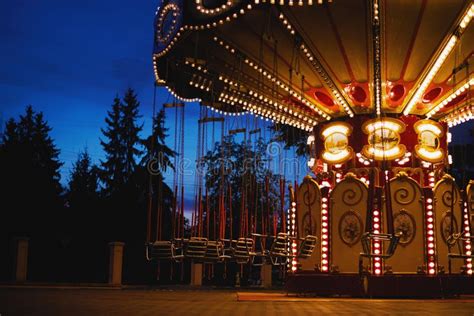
(377, 271)
(432, 271)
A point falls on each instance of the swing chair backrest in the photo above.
(307, 246)
(197, 247)
(163, 250)
(243, 250)
(367, 239)
(214, 251)
(279, 246)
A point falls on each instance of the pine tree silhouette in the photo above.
(130, 130)
(83, 181)
(112, 169)
(29, 166)
(155, 164)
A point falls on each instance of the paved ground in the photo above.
(211, 302)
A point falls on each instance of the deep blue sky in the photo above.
(69, 58)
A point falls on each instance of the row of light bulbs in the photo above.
(291, 2)
(201, 84)
(176, 96)
(377, 61)
(278, 106)
(448, 47)
(460, 117)
(430, 236)
(255, 108)
(254, 65)
(467, 234)
(225, 112)
(319, 68)
(453, 95)
(201, 8)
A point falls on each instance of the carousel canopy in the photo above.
(304, 62)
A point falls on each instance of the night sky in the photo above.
(69, 59)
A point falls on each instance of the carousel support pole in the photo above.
(21, 259)
(196, 274)
(266, 275)
(115, 263)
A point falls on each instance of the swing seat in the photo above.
(243, 250)
(366, 241)
(278, 253)
(163, 250)
(307, 247)
(367, 238)
(196, 248)
(215, 252)
(455, 239)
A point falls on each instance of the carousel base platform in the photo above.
(394, 285)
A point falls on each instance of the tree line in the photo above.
(102, 202)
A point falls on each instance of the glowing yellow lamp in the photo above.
(384, 139)
(336, 142)
(428, 132)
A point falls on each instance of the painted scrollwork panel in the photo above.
(445, 226)
(350, 228)
(309, 198)
(353, 195)
(405, 194)
(404, 224)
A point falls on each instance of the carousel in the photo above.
(376, 85)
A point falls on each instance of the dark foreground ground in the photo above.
(40, 301)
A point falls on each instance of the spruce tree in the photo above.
(83, 199)
(155, 164)
(29, 166)
(156, 147)
(83, 181)
(130, 130)
(112, 169)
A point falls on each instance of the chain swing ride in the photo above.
(376, 85)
